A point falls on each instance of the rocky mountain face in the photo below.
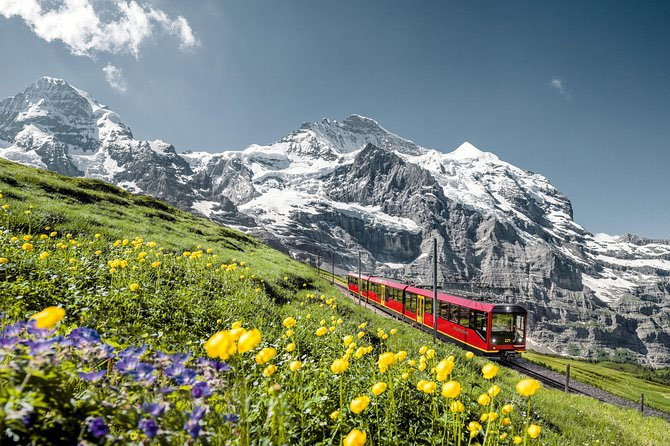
(333, 188)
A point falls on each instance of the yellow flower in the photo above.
(334, 415)
(362, 325)
(517, 440)
(289, 322)
(443, 369)
(430, 353)
(359, 404)
(236, 324)
(507, 408)
(347, 340)
(503, 435)
(355, 438)
(422, 366)
(484, 399)
(98, 235)
(4, 260)
(469, 355)
(237, 332)
(386, 360)
(528, 386)
(404, 376)
(339, 366)
(534, 431)
(27, 247)
(249, 340)
(506, 421)
(493, 416)
(423, 350)
(155, 264)
(49, 317)
(393, 331)
(265, 355)
(44, 255)
(401, 355)
(457, 407)
(473, 426)
(27, 238)
(484, 417)
(490, 370)
(379, 388)
(429, 387)
(134, 286)
(295, 366)
(360, 334)
(220, 345)
(53, 234)
(290, 347)
(494, 390)
(270, 370)
(321, 331)
(5, 207)
(451, 389)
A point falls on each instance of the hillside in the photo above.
(342, 186)
(155, 281)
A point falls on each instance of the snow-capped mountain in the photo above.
(334, 187)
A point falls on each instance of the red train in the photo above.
(489, 329)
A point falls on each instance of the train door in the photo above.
(419, 309)
(382, 294)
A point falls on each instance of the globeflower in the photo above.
(265, 355)
(289, 322)
(534, 431)
(27, 247)
(355, 438)
(430, 353)
(220, 345)
(451, 389)
(490, 370)
(474, 428)
(401, 355)
(379, 388)
(429, 387)
(423, 350)
(49, 317)
(386, 360)
(270, 370)
(469, 355)
(443, 369)
(339, 366)
(249, 340)
(347, 340)
(457, 407)
(494, 390)
(359, 404)
(484, 399)
(334, 415)
(295, 366)
(507, 408)
(3, 260)
(134, 286)
(290, 347)
(321, 331)
(44, 255)
(528, 386)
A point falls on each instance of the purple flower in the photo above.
(174, 369)
(31, 328)
(127, 364)
(9, 343)
(198, 412)
(144, 373)
(38, 348)
(192, 426)
(201, 390)
(92, 376)
(218, 366)
(154, 409)
(106, 351)
(231, 418)
(166, 390)
(13, 330)
(149, 427)
(84, 335)
(133, 351)
(98, 427)
(182, 375)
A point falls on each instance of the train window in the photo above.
(444, 310)
(428, 305)
(502, 323)
(454, 313)
(519, 327)
(478, 322)
(464, 319)
(411, 303)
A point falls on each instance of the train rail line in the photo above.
(548, 378)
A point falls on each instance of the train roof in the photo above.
(468, 303)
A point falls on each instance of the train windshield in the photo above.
(507, 328)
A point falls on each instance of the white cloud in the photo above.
(90, 26)
(559, 86)
(115, 78)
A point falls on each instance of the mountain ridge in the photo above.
(340, 186)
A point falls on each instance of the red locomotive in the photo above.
(490, 329)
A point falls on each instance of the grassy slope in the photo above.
(87, 207)
(620, 379)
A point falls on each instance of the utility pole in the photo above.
(567, 378)
(318, 262)
(434, 289)
(359, 278)
(332, 263)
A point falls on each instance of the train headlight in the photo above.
(494, 340)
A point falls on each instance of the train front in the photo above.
(508, 329)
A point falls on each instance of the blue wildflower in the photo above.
(127, 364)
(231, 418)
(84, 335)
(154, 409)
(144, 373)
(133, 351)
(149, 427)
(201, 390)
(13, 330)
(98, 427)
(92, 376)
(9, 343)
(38, 348)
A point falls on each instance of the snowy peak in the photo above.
(467, 151)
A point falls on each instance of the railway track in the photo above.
(547, 377)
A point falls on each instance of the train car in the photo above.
(489, 329)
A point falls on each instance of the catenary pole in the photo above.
(434, 289)
(360, 295)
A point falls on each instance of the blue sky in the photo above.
(576, 90)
